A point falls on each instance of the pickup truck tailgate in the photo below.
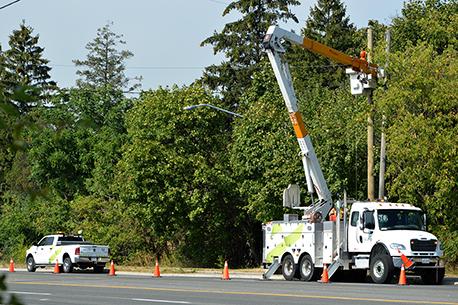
(94, 251)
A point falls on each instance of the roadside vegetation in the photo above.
(193, 187)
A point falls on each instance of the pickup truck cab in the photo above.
(68, 251)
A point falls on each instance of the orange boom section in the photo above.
(356, 63)
(298, 124)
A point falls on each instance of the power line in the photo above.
(199, 68)
(143, 67)
(219, 2)
(11, 3)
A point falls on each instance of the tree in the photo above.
(26, 69)
(174, 176)
(421, 105)
(104, 64)
(241, 43)
(432, 21)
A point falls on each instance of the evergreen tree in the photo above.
(240, 41)
(329, 24)
(26, 69)
(104, 65)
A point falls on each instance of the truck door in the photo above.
(366, 230)
(353, 243)
(360, 231)
(44, 249)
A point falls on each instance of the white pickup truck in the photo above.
(68, 251)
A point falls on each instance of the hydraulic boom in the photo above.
(362, 75)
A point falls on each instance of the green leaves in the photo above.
(421, 105)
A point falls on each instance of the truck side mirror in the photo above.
(369, 225)
(368, 220)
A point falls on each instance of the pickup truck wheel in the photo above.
(67, 267)
(381, 269)
(288, 268)
(31, 264)
(433, 276)
(306, 268)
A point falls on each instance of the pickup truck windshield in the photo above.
(400, 220)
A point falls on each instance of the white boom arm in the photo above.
(313, 174)
(363, 77)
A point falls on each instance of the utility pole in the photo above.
(381, 181)
(370, 128)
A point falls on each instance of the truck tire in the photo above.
(433, 276)
(67, 266)
(307, 270)
(288, 267)
(381, 268)
(31, 267)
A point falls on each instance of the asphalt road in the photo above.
(87, 288)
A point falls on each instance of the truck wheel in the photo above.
(433, 276)
(306, 268)
(381, 269)
(31, 264)
(67, 267)
(288, 268)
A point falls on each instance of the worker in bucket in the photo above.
(333, 215)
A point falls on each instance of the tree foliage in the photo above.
(431, 21)
(25, 67)
(421, 105)
(174, 176)
(104, 65)
(241, 43)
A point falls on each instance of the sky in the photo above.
(164, 35)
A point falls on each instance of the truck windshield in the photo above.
(400, 220)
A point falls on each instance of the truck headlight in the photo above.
(397, 246)
(441, 246)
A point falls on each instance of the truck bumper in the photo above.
(81, 260)
(420, 263)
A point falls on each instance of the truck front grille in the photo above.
(423, 245)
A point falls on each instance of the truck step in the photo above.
(275, 265)
(334, 266)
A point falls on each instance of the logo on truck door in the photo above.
(57, 251)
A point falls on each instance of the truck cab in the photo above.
(381, 233)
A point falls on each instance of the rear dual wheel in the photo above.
(288, 267)
(307, 270)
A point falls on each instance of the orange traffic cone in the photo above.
(11, 265)
(324, 275)
(226, 272)
(56, 268)
(402, 276)
(112, 269)
(157, 272)
(407, 262)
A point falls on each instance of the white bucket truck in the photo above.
(374, 236)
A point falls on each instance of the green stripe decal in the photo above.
(52, 259)
(287, 242)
